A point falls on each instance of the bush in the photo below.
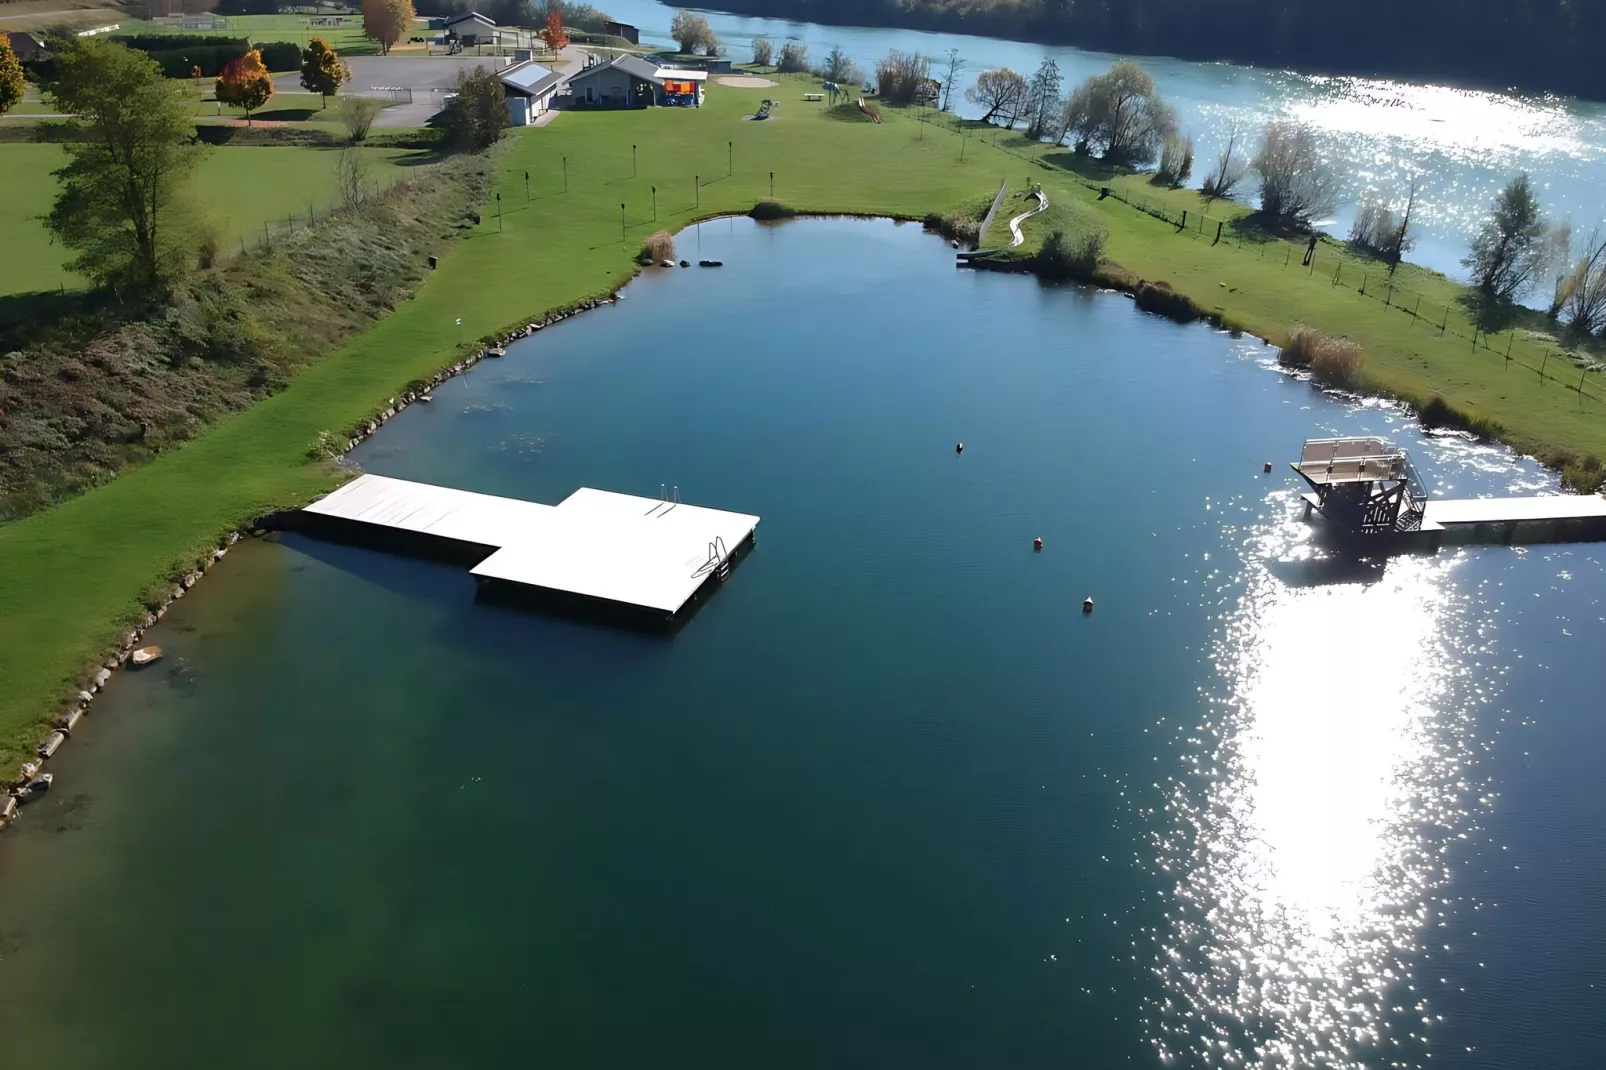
(1070, 258)
(280, 56)
(657, 248)
(357, 114)
(1335, 360)
(794, 58)
(1176, 161)
(769, 208)
(1585, 475)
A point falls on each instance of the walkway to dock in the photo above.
(1455, 512)
(645, 553)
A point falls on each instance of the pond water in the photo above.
(1463, 144)
(890, 798)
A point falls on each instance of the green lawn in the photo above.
(241, 190)
(75, 574)
(347, 40)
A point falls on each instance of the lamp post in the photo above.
(565, 174)
(697, 188)
(772, 185)
(526, 187)
(621, 222)
(655, 204)
(632, 161)
(499, 213)
(730, 167)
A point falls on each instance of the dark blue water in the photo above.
(890, 798)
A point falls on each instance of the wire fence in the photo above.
(275, 231)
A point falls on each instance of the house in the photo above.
(632, 82)
(529, 89)
(27, 47)
(470, 29)
(622, 29)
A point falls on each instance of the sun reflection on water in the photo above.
(1308, 837)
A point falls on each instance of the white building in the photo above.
(471, 28)
(529, 88)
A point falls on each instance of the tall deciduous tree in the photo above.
(1042, 97)
(321, 70)
(555, 36)
(1297, 186)
(1508, 249)
(387, 21)
(11, 83)
(1120, 115)
(245, 83)
(953, 65)
(1000, 91)
(839, 68)
(763, 51)
(794, 58)
(691, 31)
(132, 149)
(477, 115)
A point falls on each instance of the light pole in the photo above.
(526, 187)
(621, 222)
(655, 204)
(697, 188)
(730, 167)
(499, 213)
(632, 161)
(772, 185)
(565, 174)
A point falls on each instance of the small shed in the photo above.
(622, 29)
(27, 47)
(471, 28)
(529, 89)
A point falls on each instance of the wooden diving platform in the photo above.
(596, 546)
(1368, 487)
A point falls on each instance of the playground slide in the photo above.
(875, 116)
(1016, 237)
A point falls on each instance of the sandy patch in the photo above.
(742, 81)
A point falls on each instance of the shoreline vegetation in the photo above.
(1530, 45)
(549, 238)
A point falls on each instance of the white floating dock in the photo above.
(1539, 509)
(642, 553)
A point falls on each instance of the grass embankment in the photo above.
(241, 189)
(76, 573)
(348, 40)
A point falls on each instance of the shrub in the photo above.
(1161, 299)
(1585, 475)
(1176, 161)
(280, 56)
(357, 114)
(770, 208)
(1070, 258)
(1335, 360)
(794, 58)
(657, 248)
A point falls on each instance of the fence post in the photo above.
(265, 239)
(1417, 309)
(1582, 372)
(1388, 301)
(1336, 272)
(1289, 258)
(1219, 224)
(1474, 337)
(1542, 366)
(1365, 277)
(1184, 219)
(1446, 320)
(1509, 338)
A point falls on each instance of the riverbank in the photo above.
(576, 201)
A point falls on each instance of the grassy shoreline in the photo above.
(79, 575)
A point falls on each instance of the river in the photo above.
(1463, 144)
(890, 799)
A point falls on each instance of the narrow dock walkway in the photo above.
(621, 549)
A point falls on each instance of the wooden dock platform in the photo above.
(644, 554)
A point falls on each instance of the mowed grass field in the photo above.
(75, 574)
(347, 40)
(238, 189)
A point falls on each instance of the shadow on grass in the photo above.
(1490, 314)
(27, 316)
(1085, 166)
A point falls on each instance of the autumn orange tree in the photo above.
(321, 70)
(387, 21)
(11, 84)
(555, 36)
(245, 83)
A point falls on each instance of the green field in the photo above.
(347, 40)
(242, 189)
(76, 573)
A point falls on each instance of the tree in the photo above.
(839, 68)
(351, 176)
(955, 65)
(1507, 250)
(1378, 231)
(794, 58)
(244, 83)
(132, 147)
(1581, 292)
(763, 51)
(1122, 116)
(1042, 98)
(387, 21)
(555, 36)
(690, 31)
(999, 90)
(476, 116)
(321, 70)
(11, 83)
(1076, 117)
(903, 77)
(1296, 185)
(1230, 167)
(1176, 161)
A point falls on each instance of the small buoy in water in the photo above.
(426, 398)
(145, 655)
(1268, 466)
(960, 448)
(1087, 604)
(1037, 543)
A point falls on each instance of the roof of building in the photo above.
(637, 67)
(469, 16)
(530, 79)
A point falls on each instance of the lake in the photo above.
(890, 798)
(1464, 144)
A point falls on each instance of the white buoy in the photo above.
(1087, 604)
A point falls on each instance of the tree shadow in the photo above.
(1088, 167)
(29, 317)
